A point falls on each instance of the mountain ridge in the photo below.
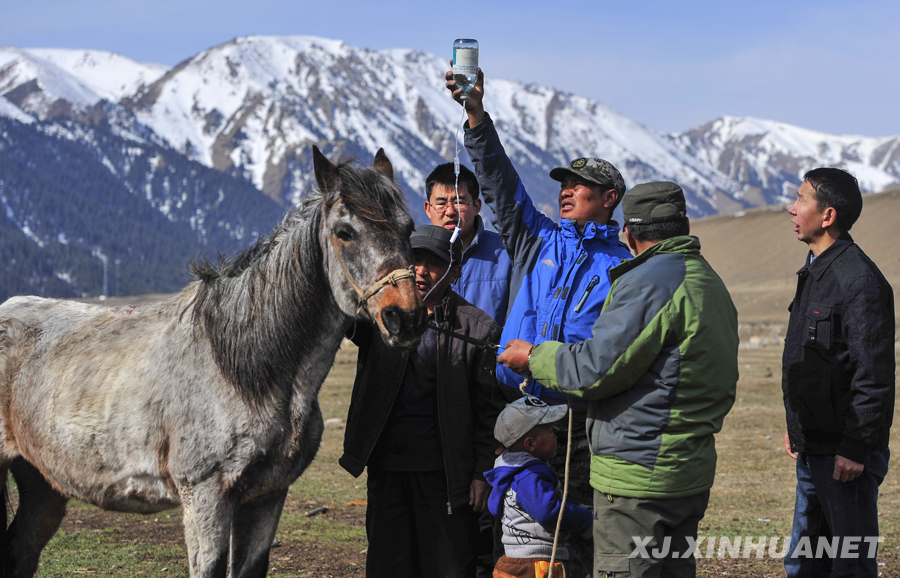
(250, 109)
(255, 103)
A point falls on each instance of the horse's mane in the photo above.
(263, 307)
(353, 181)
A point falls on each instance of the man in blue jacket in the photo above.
(484, 281)
(559, 277)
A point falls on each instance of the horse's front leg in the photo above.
(252, 533)
(207, 522)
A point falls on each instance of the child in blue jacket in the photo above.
(525, 493)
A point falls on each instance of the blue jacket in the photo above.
(525, 495)
(484, 281)
(559, 277)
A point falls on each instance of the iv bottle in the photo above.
(465, 64)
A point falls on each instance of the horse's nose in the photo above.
(391, 318)
(404, 327)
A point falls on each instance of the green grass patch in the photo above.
(97, 553)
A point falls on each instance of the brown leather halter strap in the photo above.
(390, 279)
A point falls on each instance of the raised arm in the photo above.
(517, 220)
(473, 103)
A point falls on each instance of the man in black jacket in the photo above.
(422, 422)
(838, 384)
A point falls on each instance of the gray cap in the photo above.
(436, 240)
(520, 416)
(653, 203)
(594, 170)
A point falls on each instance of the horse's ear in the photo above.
(383, 164)
(326, 172)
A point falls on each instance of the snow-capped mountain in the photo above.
(258, 102)
(86, 133)
(50, 83)
(254, 105)
(768, 159)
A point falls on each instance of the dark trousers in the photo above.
(410, 531)
(828, 513)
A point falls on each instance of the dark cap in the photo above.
(653, 203)
(594, 170)
(436, 240)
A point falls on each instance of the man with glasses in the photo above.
(559, 278)
(484, 281)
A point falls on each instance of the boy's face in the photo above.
(543, 441)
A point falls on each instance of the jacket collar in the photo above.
(479, 229)
(685, 245)
(446, 312)
(821, 263)
(592, 230)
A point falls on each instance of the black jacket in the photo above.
(468, 400)
(838, 364)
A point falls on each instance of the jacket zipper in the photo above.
(438, 393)
(594, 281)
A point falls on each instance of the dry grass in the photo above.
(755, 480)
(756, 254)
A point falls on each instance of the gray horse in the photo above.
(207, 400)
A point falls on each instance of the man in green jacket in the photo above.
(659, 371)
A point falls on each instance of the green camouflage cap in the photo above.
(653, 203)
(594, 170)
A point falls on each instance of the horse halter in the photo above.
(390, 279)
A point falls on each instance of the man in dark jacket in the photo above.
(838, 383)
(422, 422)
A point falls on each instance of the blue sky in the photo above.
(671, 65)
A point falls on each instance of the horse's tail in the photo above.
(5, 507)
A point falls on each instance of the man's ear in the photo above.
(829, 217)
(476, 206)
(611, 199)
(455, 272)
(630, 241)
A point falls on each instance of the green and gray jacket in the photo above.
(660, 371)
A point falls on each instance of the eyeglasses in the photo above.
(442, 205)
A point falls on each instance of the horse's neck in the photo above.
(271, 322)
(304, 314)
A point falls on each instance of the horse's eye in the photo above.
(344, 235)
